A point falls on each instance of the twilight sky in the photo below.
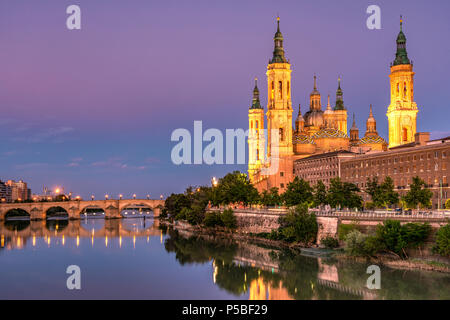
(93, 110)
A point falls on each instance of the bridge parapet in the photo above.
(74, 208)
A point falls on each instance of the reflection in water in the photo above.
(237, 270)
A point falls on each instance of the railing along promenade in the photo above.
(378, 215)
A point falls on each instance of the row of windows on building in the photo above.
(421, 157)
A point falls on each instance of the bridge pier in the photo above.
(112, 212)
(36, 215)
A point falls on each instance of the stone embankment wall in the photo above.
(259, 222)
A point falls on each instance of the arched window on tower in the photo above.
(272, 91)
(281, 134)
(256, 124)
(405, 134)
(251, 124)
(280, 89)
(288, 88)
(405, 91)
(398, 88)
(257, 154)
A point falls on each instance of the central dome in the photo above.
(314, 118)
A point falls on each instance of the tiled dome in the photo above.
(329, 133)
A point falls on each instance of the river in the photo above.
(135, 258)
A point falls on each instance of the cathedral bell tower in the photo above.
(402, 111)
(256, 143)
(279, 114)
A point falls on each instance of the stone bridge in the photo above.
(74, 208)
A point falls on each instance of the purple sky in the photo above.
(93, 110)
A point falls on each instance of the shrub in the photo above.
(397, 238)
(212, 219)
(330, 242)
(355, 243)
(345, 229)
(373, 245)
(442, 246)
(182, 215)
(229, 219)
(299, 225)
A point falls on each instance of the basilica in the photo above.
(319, 131)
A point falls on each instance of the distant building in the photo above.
(429, 160)
(19, 190)
(324, 166)
(5, 192)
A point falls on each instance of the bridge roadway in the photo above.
(74, 208)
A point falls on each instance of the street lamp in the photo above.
(161, 197)
(106, 197)
(134, 196)
(120, 197)
(148, 197)
(92, 197)
(214, 182)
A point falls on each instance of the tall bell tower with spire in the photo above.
(256, 143)
(402, 111)
(279, 113)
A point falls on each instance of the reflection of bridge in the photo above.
(74, 208)
(112, 229)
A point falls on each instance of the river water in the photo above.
(138, 259)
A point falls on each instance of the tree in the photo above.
(447, 204)
(442, 246)
(320, 194)
(343, 194)
(234, 188)
(297, 192)
(397, 238)
(271, 198)
(299, 225)
(418, 194)
(388, 196)
(175, 203)
(374, 190)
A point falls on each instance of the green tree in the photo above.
(388, 196)
(447, 204)
(234, 188)
(397, 238)
(320, 194)
(418, 194)
(374, 190)
(297, 192)
(344, 194)
(442, 245)
(271, 198)
(229, 219)
(175, 203)
(299, 225)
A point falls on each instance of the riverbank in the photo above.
(414, 263)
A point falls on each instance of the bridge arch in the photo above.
(92, 211)
(17, 214)
(56, 213)
(136, 209)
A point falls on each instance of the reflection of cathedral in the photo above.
(318, 131)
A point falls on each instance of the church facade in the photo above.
(318, 131)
